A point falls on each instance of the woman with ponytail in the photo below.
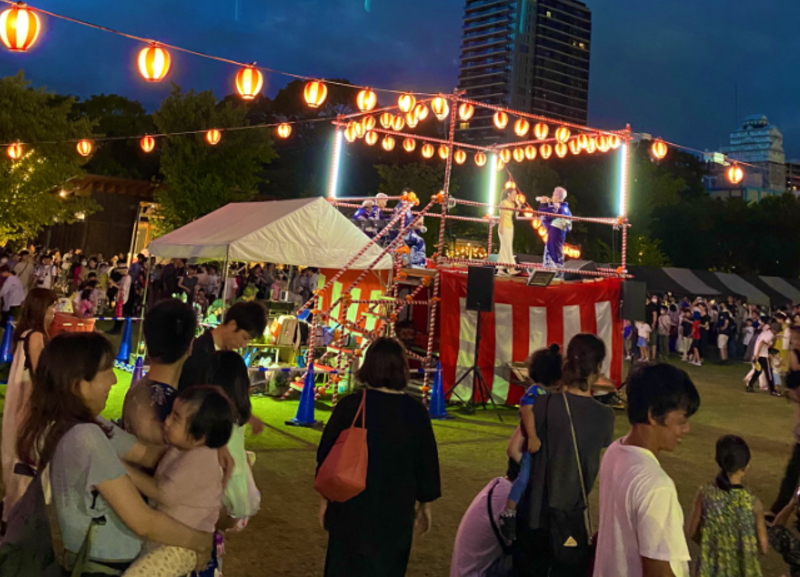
(727, 519)
(553, 538)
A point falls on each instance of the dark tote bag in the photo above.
(571, 533)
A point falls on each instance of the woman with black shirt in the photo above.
(554, 491)
(370, 535)
(705, 325)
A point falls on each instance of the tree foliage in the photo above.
(29, 199)
(200, 178)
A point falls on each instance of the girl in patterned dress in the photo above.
(727, 519)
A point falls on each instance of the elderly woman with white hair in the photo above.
(557, 228)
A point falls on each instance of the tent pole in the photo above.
(226, 272)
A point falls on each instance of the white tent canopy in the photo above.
(303, 232)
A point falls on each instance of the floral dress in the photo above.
(728, 546)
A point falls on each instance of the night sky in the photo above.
(668, 68)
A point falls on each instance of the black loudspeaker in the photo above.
(480, 289)
(586, 265)
(634, 297)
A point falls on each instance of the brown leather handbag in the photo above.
(343, 474)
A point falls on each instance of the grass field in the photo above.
(285, 539)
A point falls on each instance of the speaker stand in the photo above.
(478, 382)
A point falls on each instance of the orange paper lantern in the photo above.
(85, 147)
(659, 149)
(411, 119)
(561, 150)
(421, 111)
(521, 127)
(284, 130)
(366, 100)
(519, 154)
(147, 143)
(583, 140)
(388, 143)
(505, 155)
(350, 132)
(19, 27)
(735, 174)
(406, 102)
(249, 82)
(480, 159)
(460, 157)
(368, 122)
(530, 152)
(614, 141)
(466, 111)
(213, 136)
(562, 134)
(315, 94)
(545, 151)
(440, 107)
(500, 119)
(575, 146)
(500, 166)
(444, 151)
(428, 150)
(409, 144)
(398, 123)
(15, 151)
(387, 119)
(371, 138)
(602, 143)
(154, 63)
(591, 145)
(541, 130)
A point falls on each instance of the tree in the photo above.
(117, 116)
(645, 251)
(200, 178)
(29, 187)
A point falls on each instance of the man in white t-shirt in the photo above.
(477, 546)
(765, 340)
(641, 531)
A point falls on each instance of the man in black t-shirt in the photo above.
(651, 313)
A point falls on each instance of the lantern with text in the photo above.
(428, 150)
(735, 174)
(147, 143)
(85, 147)
(444, 151)
(409, 144)
(154, 63)
(421, 111)
(530, 152)
(562, 134)
(480, 159)
(460, 156)
(371, 138)
(500, 119)
(519, 154)
(315, 94)
(366, 100)
(284, 130)
(19, 27)
(249, 82)
(541, 130)
(521, 127)
(213, 136)
(15, 151)
(388, 143)
(386, 120)
(440, 107)
(545, 151)
(406, 102)
(561, 150)
(466, 111)
(659, 149)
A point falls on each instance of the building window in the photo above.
(549, 14)
(464, 125)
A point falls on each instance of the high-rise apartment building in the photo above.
(530, 55)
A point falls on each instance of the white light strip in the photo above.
(491, 167)
(623, 180)
(333, 185)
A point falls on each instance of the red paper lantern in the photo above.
(249, 82)
(466, 111)
(154, 63)
(519, 154)
(541, 130)
(406, 102)
(428, 150)
(368, 122)
(735, 174)
(659, 149)
(561, 150)
(409, 144)
(366, 100)
(440, 107)
(545, 151)
(386, 120)
(388, 143)
(444, 151)
(315, 94)
(480, 159)
(421, 111)
(19, 27)
(371, 138)
(500, 119)
(85, 147)
(562, 134)
(530, 152)
(460, 157)
(521, 127)
(147, 143)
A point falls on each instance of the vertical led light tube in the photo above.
(624, 166)
(491, 168)
(333, 184)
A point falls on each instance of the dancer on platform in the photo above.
(505, 230)
(368, 217)
(557, 228)
(415, 243)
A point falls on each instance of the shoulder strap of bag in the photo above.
(362, 410)
(495, 529)
(587, 513)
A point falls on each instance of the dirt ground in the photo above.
(285, 538)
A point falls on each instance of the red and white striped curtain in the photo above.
(525, 319)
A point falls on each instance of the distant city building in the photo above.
(757, 143)
(793, 176)
(530, 55)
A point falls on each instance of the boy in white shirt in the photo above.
(644, 330)
(641, 531)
